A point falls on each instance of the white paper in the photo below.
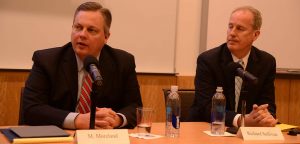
(145, 136)
(226, 134)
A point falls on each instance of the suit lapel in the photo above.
(228, 77)
(107, 70)
(252, 62)
(107, 57)
(70, 72)
(252, 67)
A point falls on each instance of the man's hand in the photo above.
(82, 121)
(260, 117)
(105, 118)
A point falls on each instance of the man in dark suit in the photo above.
(53, 87)
(213, 69)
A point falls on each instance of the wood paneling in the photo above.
(282, 93)
(185, 82)
(287, 91)
(152, 95)
(10, 89)
(294, 103)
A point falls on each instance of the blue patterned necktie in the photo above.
(238, 86)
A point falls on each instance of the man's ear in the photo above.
(106, 37)
(256, 34)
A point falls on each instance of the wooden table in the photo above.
(190, 133)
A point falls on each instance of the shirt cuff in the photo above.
(124, 120)
(69, 122)
(235, 120)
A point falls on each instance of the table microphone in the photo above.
(91, 66)
(239, 71)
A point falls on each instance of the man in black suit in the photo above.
(213, 69)
(53, 87)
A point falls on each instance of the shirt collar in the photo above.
(80, 62)
(244, 59)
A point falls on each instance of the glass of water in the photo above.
(144, 120)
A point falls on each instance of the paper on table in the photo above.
(42, 140)
(284, 127)
(226, 134)
(148, 136)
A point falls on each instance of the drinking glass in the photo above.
(144, 120)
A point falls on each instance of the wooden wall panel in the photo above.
(152, 95)
(10, 89)
(186, 82)
(282, 92)
(294, 103)
(287, 91)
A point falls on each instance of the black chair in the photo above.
(187, 98)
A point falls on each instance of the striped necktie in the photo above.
(238, 86)
(84, 99)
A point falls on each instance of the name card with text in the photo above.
(115, 136)
(260, 133)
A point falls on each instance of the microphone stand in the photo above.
(243, 95)
(94, 93)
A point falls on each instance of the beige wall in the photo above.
(173, 36)
(144, 28)
(280, 31)
(188, 36)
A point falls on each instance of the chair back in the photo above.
(187, 98)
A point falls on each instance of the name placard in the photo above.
(114, 136)
(260, 133)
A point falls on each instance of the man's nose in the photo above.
(83, 33)
(232, 31)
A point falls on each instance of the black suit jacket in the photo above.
(51, 89)
(213, 70)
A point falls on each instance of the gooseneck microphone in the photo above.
(91, 66)
(239, 71)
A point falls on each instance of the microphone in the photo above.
(239, 71)
(91, 65)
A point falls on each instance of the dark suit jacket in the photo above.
(51, 89)
(213, 70)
